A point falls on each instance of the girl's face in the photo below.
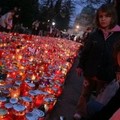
(118, 58)
(104, 20)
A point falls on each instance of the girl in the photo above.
(113, 106)
(96, 60)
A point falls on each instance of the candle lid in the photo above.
(18, 82)
(27, 99)
(38, 92)
(27, 80)
(9, 86)
(49, 99)
(38, 112)
(55, 89)
(3, 99)
(3, 112)
(18, 107)
(8, 105)
(13, 100)
(9, 79)
(15, 87)
(31, 116)
(32, 92)
(41, 86)
(31, 84)
(6, 91)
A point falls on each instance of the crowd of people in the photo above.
(10, 22)
(99, 63)
(9, 19)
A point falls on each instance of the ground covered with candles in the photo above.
(33, 70)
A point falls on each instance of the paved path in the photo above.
(67, 102)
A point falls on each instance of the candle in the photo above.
(27, 102)
(49, 103)
(15, 92)
(4, 114)
(33, 77)
(9, 107)
(39, 99)
(19, 112)
(2, 101)
(39, 114)
(13, 100)
(19, 57)
(31, 116)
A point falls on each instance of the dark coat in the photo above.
(96, 58)
(107, 111)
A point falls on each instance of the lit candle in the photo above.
(4, 114)
(19, 57)
(15, 92)
(49, 103)
(33, 77)
(39, 98)
(2, 101)
(19, 111)
(27, 102)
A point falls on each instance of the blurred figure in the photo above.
(6, 21)
(16, 18)
(35, 27)
(86, 34)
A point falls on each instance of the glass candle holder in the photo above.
(41, 87)
(39, 99)
(27, 102)
(49, 103)
(2, 101)
(4, 115)
(19, 112)
(6, 93)
(9, 107)
(39, 114)
(31, 116)
(15, 92)
(13, 100)
(32, 94)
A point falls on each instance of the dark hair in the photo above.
(111, 11)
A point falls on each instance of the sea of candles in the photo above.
(35, 69)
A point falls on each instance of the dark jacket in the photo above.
(107, 111)
(96, 58)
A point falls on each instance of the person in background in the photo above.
(35, 27)
(96, 60)
(111, 111)
(86, 34)
(16, 17)
(6, 21)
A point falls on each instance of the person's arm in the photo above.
(8, 20)
(107, 111)
(84, 52)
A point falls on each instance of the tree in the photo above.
(59, 11)
(29, 9)
(66, 13)
(63, 12)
